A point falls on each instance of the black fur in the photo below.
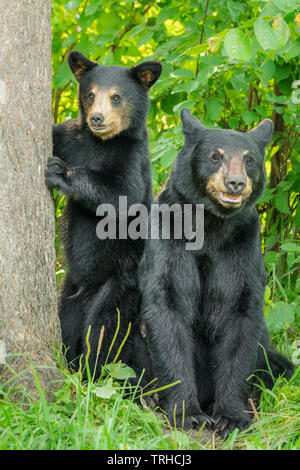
(102, 274)
(203, 310)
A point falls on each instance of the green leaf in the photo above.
(195, 51)
(91, 8)
(166, 13)
(205, 73)
(293, 50)
(290, 246)
(282, 72)
(266, 197)
(183, 73)
(145, 38)
(69, 40)
(270, 240)
(233, 122)
(120, 371)
(235, 9)
(297, 216)
(168, 158)
(184, 104)
(214, 110)
(281, 30)
(285, 5)
(137, 30)
(188, 86)
(281, 202)
(72, 5)
(169, 101)
(249, 117)
(279, 110)
(62, 75)
(261, 111)
(85, 45)
(105, 39)
(271, 259)
(106, 391)
(265, 35)
(109, 21)
(285, 88)
(237, 45)
(296, 93)
(269, 10)
(269, 70)
(280, 317)
(239, 82)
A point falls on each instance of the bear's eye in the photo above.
(90, 97)
(116, 99)
(215, 157)
(249, 160)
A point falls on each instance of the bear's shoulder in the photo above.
(67, 131)
(68, 138)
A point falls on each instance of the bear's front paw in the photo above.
(56, 174)
(192, 421)
(225, 425)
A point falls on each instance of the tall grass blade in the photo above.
(122, 344)
(115, 336)
(100, 341)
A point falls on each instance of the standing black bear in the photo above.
(203, 309)
(97, 158)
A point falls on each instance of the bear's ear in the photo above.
(147, 73)
(79, 64)
(262, 133)
(190, 124)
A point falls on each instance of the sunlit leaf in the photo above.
(266, 35)
(237, 45)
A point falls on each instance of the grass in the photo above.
(80, 418)
(100, 415)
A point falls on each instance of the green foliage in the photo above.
(82, 416)
(102, 416)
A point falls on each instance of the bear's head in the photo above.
(113, 99)
(222, 169)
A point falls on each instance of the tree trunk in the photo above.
(29, 325)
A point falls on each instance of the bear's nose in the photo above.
(96, 119)
(236, 184)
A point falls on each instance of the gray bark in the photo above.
(29, 324)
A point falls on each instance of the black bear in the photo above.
(99, 157)
(203, 309)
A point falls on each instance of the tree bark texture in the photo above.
(29, 324)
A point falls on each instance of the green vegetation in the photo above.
(233, 63)
(101, 415)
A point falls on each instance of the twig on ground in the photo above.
(257, 419)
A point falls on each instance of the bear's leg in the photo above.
(140, 359)
(204, 373)
(172, 349)
(71, 311)
(102, 311)
(234, 357)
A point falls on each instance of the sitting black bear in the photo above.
(204, 309)
(97, 158)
